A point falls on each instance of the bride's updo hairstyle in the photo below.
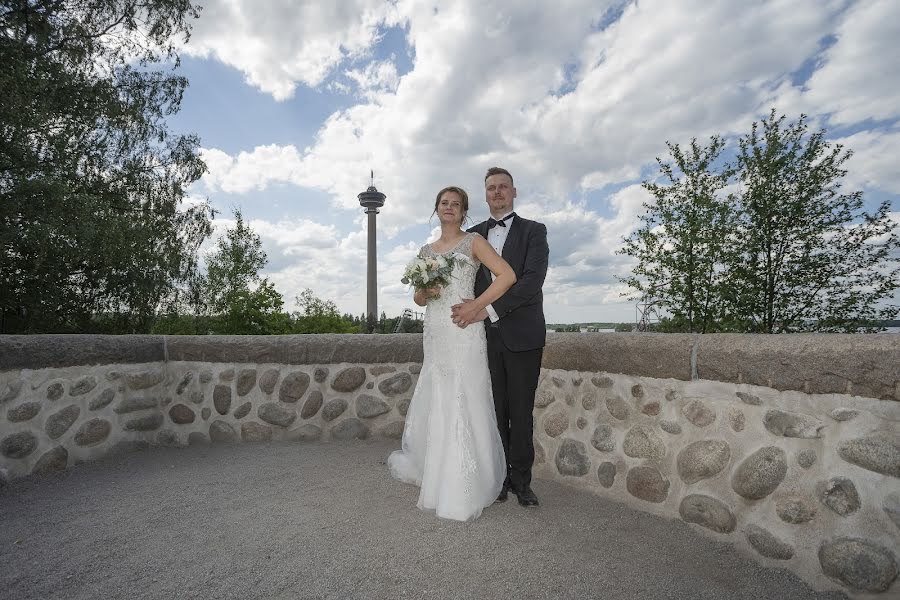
(463, 200)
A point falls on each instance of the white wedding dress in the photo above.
(451, 447)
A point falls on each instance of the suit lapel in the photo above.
(512, 240)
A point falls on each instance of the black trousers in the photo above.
(514, 379)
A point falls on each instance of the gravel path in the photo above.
(327, 521)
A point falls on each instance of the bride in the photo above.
(451, 447)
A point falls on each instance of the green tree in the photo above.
(242, 301)
(809, 257)
(91, 179)
(320, 316)
(683, 237)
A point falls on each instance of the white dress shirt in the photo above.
(496, 238)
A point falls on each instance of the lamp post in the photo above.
(371, 200)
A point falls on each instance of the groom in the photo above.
(515, 327)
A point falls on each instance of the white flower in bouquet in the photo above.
(426, 272)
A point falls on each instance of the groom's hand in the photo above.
(466, 313)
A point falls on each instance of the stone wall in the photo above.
(787, 446)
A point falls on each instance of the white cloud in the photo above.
(537, 88)
(278, 44)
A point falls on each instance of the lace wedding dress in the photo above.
(451, 447)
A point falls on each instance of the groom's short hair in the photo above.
(498, 171)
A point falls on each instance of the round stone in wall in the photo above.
(602, 438)
(749, 399)
(55, 391)
(708, 512)
(403, 406)
(103, 400)
(581, 423)
(589, 401)
(698, 413)
(793, 425)
(767, 544)
(350, 429)
(651, 409)
(843, 414)
(205, 413)
(23, 412)
(544, 398)
(197, 438)
(558, 381)
(333, 409)
(617, 407)
(795, 509)
(168, 439)
(637, 391)
(18, 445)
(736, 419)
(206, 376)
(760, 473)
(129, 405)
(227, 375)
(148, 423)
(556, 423)
(878, 452)
(349, 379)
(320, 374)
(839, 494)
(859, 564)
(142, 380)
(221, 431)
(395, 384)
(243, 410)
(246, 381)
(642, 441)
(83, 386)
(368, 407)
(392, 431)
(10, 391)
(702, 460)
(672, 395)
(577, 380)
(93, 432)
(268, 380)
(305, 433)
(381, 370)
(670, 427)
(891, 507)
(602, 382)
(293, 386)
(59, 422)
(312, 405)
(572, 459)
(806, 458)
(647, 483)
(181, 414)
(222, 399)
(51, 461)
(185, 381)
(606, 473)
(276, 414)
(197, 397)
(255, 432)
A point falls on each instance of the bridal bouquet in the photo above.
(426, 272)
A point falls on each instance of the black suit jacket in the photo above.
(521, 308)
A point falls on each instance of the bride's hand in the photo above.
(432, 292)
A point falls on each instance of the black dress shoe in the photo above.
(504, 494)
(526, 497)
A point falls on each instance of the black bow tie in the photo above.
(492, 222)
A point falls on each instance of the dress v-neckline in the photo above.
(454, 247)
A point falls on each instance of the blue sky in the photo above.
(295, 102)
